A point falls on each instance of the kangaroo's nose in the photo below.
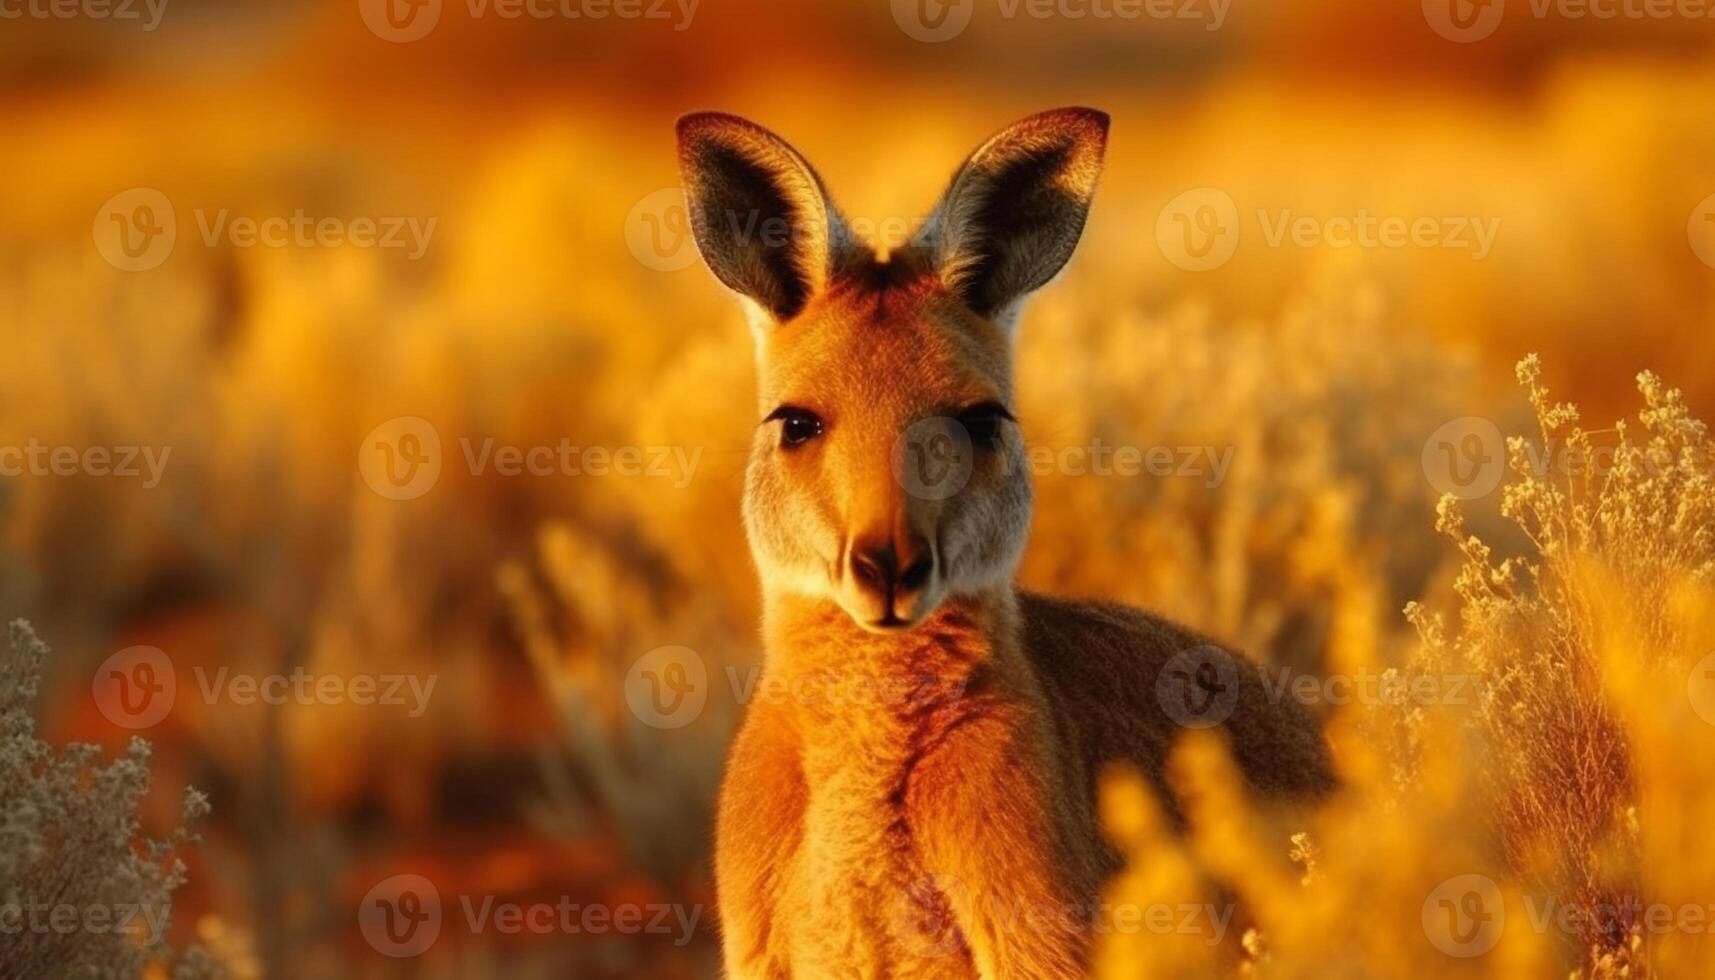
(889, 571)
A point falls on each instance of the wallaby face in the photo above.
(887, 472)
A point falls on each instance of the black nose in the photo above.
(878, 565)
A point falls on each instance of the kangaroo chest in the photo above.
(865, 905)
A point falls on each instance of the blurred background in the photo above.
(527, 282)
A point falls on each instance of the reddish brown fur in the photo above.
(907, 795)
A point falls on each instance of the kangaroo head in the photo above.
(887, 472)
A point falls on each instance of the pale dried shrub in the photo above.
(1578, 778)
(1642, 509)
(69, 841)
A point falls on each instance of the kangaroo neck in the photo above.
(835, 663)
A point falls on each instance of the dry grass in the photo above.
(1571, 780)
(1320, 371)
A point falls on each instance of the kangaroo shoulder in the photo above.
(1099, 634)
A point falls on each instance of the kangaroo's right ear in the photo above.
(761, 216)
(1016, 209)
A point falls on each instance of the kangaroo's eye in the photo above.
(797, 425)
(983, 423)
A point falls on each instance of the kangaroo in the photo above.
(919, 799)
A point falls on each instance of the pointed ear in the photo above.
(760, 214)
(1015, 210)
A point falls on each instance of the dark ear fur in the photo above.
(760, 214)
(1015, 210)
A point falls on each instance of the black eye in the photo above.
(797, 425)
(983, 423)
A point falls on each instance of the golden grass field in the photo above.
(1536, 802)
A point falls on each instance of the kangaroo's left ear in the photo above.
(1015, 210)
(761, 216)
